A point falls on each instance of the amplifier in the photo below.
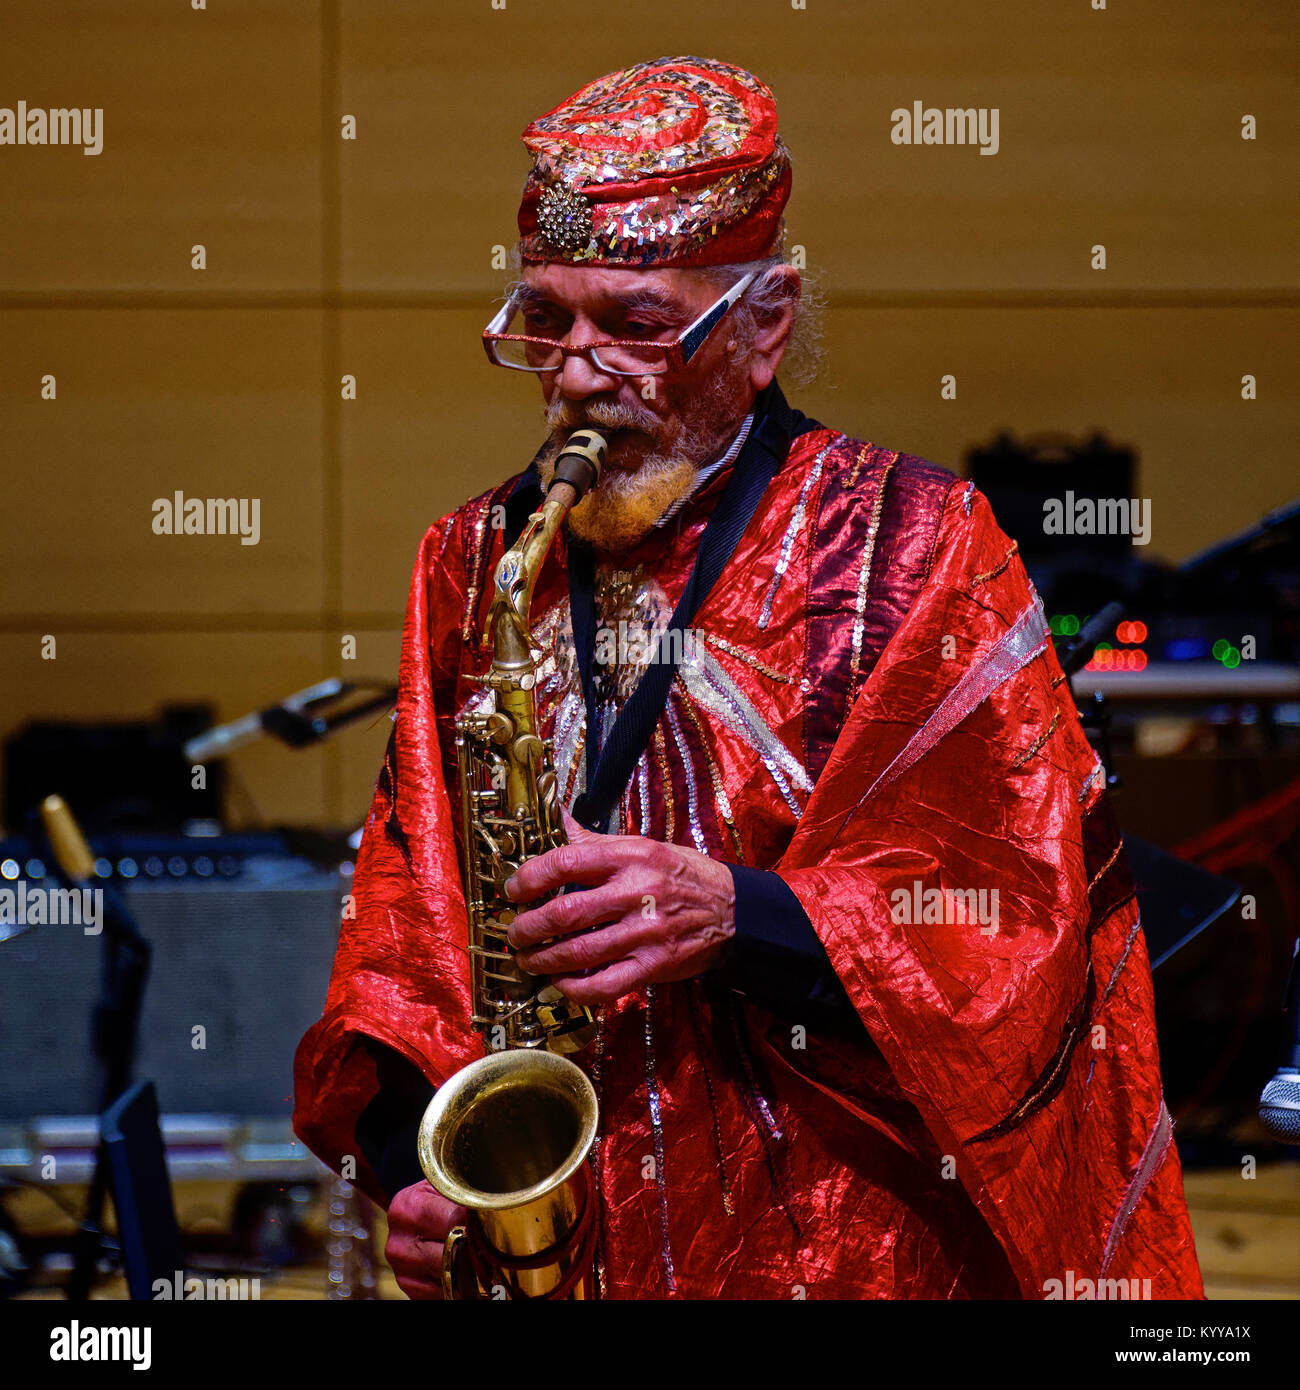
(243, 935)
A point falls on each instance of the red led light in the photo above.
(1105, 659)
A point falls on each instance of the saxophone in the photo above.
(508, 1135)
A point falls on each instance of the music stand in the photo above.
(142, 1194)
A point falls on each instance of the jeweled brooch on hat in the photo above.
(564, 219)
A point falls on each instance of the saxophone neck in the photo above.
(577, 470)
(506, 628)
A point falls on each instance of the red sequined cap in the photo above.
(675, 162)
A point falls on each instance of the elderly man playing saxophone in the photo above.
(821, 1073)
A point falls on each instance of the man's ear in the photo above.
(774, 328)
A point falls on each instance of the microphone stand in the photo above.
(306, 717)
(115, 1020)
(1074, 656)
(298, 729)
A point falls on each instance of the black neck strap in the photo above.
(610, 767)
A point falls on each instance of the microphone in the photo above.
(74, 858)
(225, 738)
(1279, 1104)
(66, 840)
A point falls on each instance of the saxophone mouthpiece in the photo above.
(581, 462)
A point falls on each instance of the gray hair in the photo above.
(767, 296)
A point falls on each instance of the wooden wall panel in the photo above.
(434, 423)
(1121, 127)
(217, 403)
(211, 135)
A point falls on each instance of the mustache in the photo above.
(564, 416)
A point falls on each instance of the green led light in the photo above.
(1103, 647)
(1231, 658)
(1219, 648)
(1069, 624)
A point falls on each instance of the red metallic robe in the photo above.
(873, 705)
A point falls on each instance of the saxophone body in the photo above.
(507, 1136)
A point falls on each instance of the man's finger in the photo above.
(605, 986)
(421, 1211)
(571, 912)
(592, 861)
(423, 1289)
(577, 953)
(416, 1255)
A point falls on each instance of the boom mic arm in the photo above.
(297, 720)
(1075, 654)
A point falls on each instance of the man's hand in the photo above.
(418, 1221)
(663, 912)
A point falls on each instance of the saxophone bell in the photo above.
(507, 1137)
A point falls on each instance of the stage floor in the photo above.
(1247, 1235)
